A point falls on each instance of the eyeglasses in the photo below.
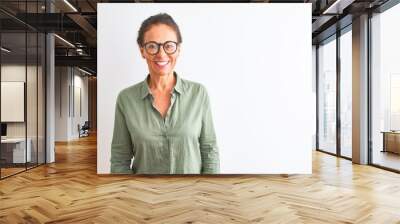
(153, 47)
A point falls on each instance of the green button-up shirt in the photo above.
(184, 142)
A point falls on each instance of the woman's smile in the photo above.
(161, 64)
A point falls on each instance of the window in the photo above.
(346, 93)
(385, 89)
(327, 96)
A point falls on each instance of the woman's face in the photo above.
(161, 63)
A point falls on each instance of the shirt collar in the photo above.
(146, 89)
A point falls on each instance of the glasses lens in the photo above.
(170, 47)
(151, 48)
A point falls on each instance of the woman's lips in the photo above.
(161, 64)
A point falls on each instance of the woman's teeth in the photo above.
(161, 63)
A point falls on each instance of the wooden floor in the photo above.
(10, 171)
(387, 159)
(70, 191)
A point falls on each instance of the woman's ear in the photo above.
(142, 52)
(179, 50)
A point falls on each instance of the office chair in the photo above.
(84, 130)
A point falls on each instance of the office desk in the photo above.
(13, 150)
(391, 141)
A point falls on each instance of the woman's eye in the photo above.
(170, 46)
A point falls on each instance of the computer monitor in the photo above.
(3, 129)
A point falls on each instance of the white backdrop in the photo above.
(12, 101)
(255, 61)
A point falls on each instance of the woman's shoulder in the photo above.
(193, 86)
(196, 90)
(131, 91)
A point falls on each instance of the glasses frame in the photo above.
(158, 46)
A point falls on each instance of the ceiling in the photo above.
(76, 22)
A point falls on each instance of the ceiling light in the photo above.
(70, 5)
(64, 40)
(338, 6)
(5, 50)
(84, 71)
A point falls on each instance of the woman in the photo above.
(164, 122)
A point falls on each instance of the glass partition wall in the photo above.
(346, 95)
(334, 71)
(327, 95)
(13, 88)
(385, 89)
(22, 77)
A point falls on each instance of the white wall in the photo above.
(80, 84)
(255, 62)
(68, 81)
(314, 88)
(61, 103)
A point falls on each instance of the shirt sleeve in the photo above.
(121, 146)
(208, 142)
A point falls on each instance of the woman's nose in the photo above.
(161, 52)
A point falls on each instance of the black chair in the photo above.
(84, 130)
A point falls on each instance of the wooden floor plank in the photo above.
(70, 191)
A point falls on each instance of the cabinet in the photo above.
(391, 142)
(13, 150)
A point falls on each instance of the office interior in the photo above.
(48, 85)
(31, 102)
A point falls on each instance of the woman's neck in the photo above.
(162, 83)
